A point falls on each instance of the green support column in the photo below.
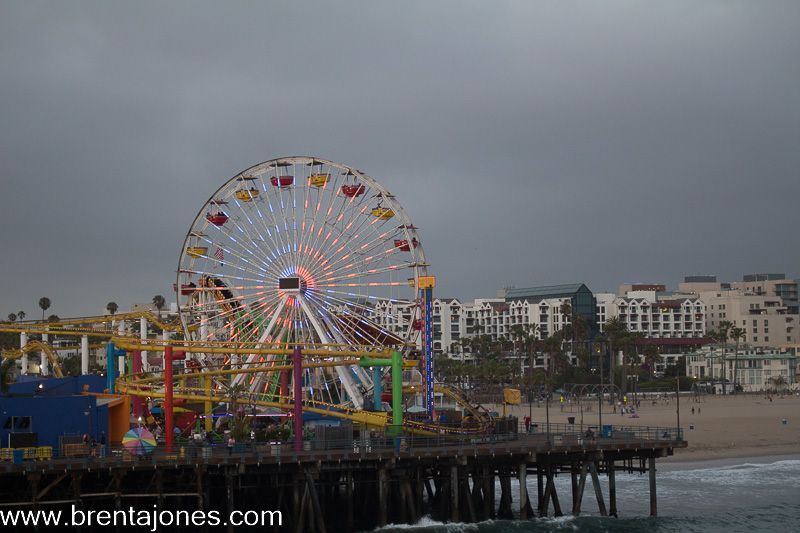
(396, 362)
(397, 393)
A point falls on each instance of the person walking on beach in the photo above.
(692, 410)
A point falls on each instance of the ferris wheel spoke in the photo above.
(353, 244)
(356, 210)
(311, 234)
(349, 330)
(281, 236)
(362, 260)
(240, 245)
(279, 258)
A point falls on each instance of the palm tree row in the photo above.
(724, 332)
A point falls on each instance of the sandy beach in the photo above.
(720, 428)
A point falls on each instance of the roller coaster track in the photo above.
(36, 346)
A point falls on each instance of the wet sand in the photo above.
(720, 428)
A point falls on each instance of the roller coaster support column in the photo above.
(136, 368)
(111, 365)
(142, 336)
(168, 420)
(84, 355)
(297, 411)
(376, 388)
(23, 340)
(207, 407)
(43, 356)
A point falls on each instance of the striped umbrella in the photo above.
(139, 441)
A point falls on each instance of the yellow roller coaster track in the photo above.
(36, 346)
(60, 326)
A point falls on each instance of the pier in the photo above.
(357, 485)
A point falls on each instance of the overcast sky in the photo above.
(532, 142)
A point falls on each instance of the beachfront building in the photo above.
(767, 321)
(771, 285)
(756, 369)
(673, 323)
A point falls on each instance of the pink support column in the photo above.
(168, 420)
(136, 368)
(297, 368)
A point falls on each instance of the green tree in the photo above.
(21, 315)
(112, 307)
(12, 317)
(44, 305)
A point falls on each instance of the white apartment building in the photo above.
(655, 315)
(758, 369)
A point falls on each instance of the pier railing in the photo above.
(536, 439)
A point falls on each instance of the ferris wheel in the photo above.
(302, 250)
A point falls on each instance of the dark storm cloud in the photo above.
(533, 143)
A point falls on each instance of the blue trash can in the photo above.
(606, 431)
(18, 457)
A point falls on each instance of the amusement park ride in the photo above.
(282, 285)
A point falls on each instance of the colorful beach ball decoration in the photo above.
(139, 441)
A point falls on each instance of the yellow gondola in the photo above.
(196, 251)
(383, 213)
(319, 180)
(246, 195)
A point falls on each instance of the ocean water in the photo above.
(748, 498)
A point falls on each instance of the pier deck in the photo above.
(353, 485)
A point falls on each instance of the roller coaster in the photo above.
(301, 287)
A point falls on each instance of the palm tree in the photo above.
(44, 304)
(723, 333)
(158, 302)
(112, 307)
(651, 357)
(12, 317)
(21, 315)
(615, 332)
(737, 334)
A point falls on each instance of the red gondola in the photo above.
(418, 324)
(219, 219)
(282, 181)
(353, 190)
(186, 288)
(404, 245)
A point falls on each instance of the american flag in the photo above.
(219, 255)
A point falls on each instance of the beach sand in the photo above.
(739, 426)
